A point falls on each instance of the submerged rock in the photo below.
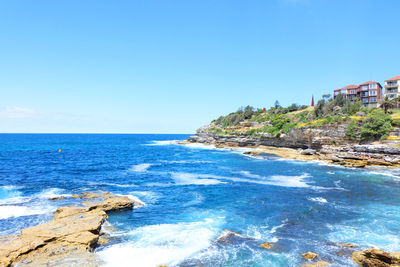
(230, 237)
(347, 245)
(376, 258)
(309, 255)
(73, 232)
(266, 245)
(57, 198)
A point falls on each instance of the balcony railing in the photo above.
(391, 84)
(392, 91)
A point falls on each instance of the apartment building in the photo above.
(369, 93)
(392, 87)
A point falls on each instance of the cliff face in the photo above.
(328, 143)
(303, 138)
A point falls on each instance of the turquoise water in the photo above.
(194, 193)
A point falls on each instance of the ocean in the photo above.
(195, 194)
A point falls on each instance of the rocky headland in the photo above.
(327, 144)
(69, 238)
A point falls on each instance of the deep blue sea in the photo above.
(193, 194)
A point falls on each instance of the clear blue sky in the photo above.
(171, 66)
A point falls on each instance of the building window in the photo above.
(344, 91)
(352, 92)
(372, 99)
(365, 100)
(365, 94)
(365, 87)
(372, 86)
(372, 92)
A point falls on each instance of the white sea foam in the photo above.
(148, 196)
(14, 200)
(318, 199)
(140, 167)
(185, 161)
(10, 211)
(197, 199)
(250, 175)
(162, 143)
(182, 178)
(51, 193)
(273, 229)
(389, 173)
(200, 146)
(155, 245)
(113, 184)
(10, 187)
(279, 180)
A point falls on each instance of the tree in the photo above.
(340, 100)
(248, 112)
(386, 104)
(352, 130)
(319, 108)
(277, 105)
(326, 97)
(377, 125)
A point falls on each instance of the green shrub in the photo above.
(377, 125)
(352, 130)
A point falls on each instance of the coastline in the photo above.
(351, 156)
(70, 237)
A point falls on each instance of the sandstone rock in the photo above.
(73, 232)
(378, 162)
(317, 264)
(347, 245)
(103, 241)
(376, 258)
(334, 158)
(309, 255)
(377, 149)
(266, 245)
(308, 151)
(57, 198)
(231, 237)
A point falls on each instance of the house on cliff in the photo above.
(369, 93)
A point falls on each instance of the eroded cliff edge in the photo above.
(328, 143)
(68, 238)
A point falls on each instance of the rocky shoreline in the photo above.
(348, 155)
(69, 238)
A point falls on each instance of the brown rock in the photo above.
(266, 245)
(73, 232)
(103, 241)
(376, 258)
(57, 198)
(347, 245)
(309, 255)
(317, 264)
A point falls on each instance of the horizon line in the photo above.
(84, 133)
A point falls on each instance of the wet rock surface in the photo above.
(309, 255)
(68, 238)
(376, 258)
(307, 144)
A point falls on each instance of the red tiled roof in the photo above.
(368, 82)
(395, 78)
(351, 86)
